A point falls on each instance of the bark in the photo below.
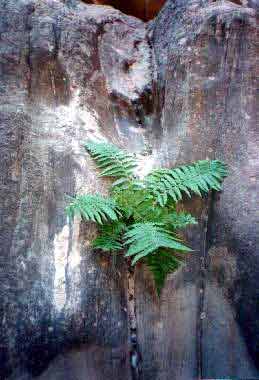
(181, 87)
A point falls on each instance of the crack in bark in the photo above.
(28, 28)
(57, 37)
(205, 217)
(134, 353)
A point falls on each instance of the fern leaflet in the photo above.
(198, 178)
(112, 161)
(178, 220)
(145, 238)
(106, 243)
(161, 263)
(94, 208)
(110, 236)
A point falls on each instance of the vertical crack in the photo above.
(69, 250)
(56, 29)
(135, 355)
(206, 218)
(28, 28)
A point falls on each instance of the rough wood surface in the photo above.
(207, 73)
(182, 86)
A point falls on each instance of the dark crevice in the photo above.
(28, 28)
(143, 9)
(69, 250)
(134, 350)
(57, 37)
(206, 218)
(156, 94)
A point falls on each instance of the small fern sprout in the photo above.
(139, 218)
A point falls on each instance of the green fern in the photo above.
(113, 161)
(198, 178)
(94, 208)
(140, 215)
(107, 243)
(145, 238)
(179, 220)
(134, 201)
(114, 229)
(110, 236)
(161, 264)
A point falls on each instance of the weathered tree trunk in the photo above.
(184, 84)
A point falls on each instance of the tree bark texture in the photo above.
(182, 87)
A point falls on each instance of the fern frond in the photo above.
(160, 264)
(178, 220)
(94, 208)
(106, 243)
(134, 201)
(199, 177)
(114, 229)
(110, 236)
(112, 161)
(145, 238)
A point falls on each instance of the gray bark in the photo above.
(184, 85)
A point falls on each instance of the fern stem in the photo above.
(131, 297)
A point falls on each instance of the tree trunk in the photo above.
(183, 86)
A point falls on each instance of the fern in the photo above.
(107, 243)
(179, 220)
(94, 208)
(113, 229)
(113, 161)
(140, 215)
(198, 178)
(162, 263)
(110, 237)
(145, 238)
(134, 201)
